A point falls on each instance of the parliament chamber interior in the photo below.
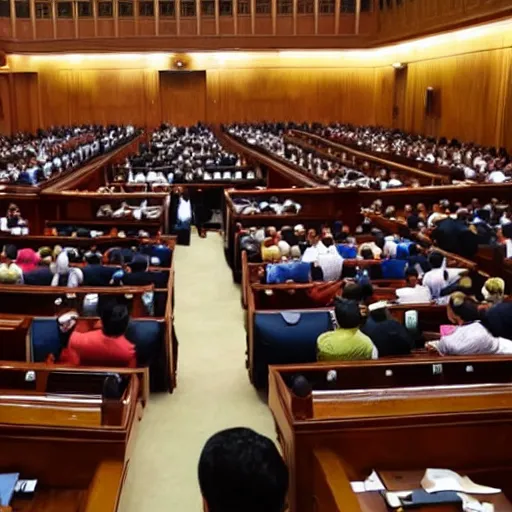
(256, 255)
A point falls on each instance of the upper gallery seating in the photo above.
(183, 155)
(30, 159)
(468, 160)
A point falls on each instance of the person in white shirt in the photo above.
(414, 292)
(440, 277)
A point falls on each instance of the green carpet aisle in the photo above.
(213, 388)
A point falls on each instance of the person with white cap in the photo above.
(390, 337)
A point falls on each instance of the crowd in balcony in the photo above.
(468, 160)
(31, 159)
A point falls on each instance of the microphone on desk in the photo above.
(301, 387)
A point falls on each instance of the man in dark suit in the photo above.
(389, 336)
(96, 274)
(452, 235)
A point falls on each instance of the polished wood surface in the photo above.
(391, 441)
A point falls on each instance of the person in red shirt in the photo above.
(100, 347)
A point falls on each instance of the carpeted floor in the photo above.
(213, 388)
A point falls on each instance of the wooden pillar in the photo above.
(74, 11)
(95, 16)
(274, 16)
(54, 18)
(217, 17)
(235, 17)
(358, 16)
(115, 13)
(316, 17)
(32, 6)
(136, 16)
(198, 17)
(337, 9)
(13, 18)
(295, 8)
(177, 8)
(253, 17)
(156, 12)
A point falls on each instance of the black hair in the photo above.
(366, 291)
(352, 291)
(240, 469)
(139, 263)
(116, 257)
(114, 318)
(93, 258)
(328, 241)
(347, 314)
(367, 254)
(411, 272)
(436, 259)
(453, 208)
(10, 252)
(464, 307)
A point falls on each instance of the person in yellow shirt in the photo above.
(347, 342)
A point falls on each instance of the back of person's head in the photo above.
(378, 311)
(139, 263)
(367, 254)
(352, 291)
(436, 259)
(366, 291)
(453, 207)
(347, 314)
(411, 276)
(241, 470)
(114, 318)
(10, 252)
(463, 307)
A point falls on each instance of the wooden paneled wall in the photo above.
(475, 101)
(183, 96)
(99, 96)
(148, 97)
(297, 94)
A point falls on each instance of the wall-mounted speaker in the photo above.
(430, 101)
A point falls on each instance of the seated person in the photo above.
(390, 337)
(414, 292)
(140, 275)
(100, 347)
(63, 274)
(27, 260)
(347, 342)
(10, 272)
(471, 336)
(498, 319)
(12, 222)
(241, 470)
(493, 290)
(440, 278)
(418, 260)
(96, 274)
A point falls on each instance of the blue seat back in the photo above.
(393, 269)
(45, 339)
(286, 338)
(347, 251)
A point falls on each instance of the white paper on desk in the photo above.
(372, 483)
(470, 504)
(437, 480)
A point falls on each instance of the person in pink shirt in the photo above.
(107, 346)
